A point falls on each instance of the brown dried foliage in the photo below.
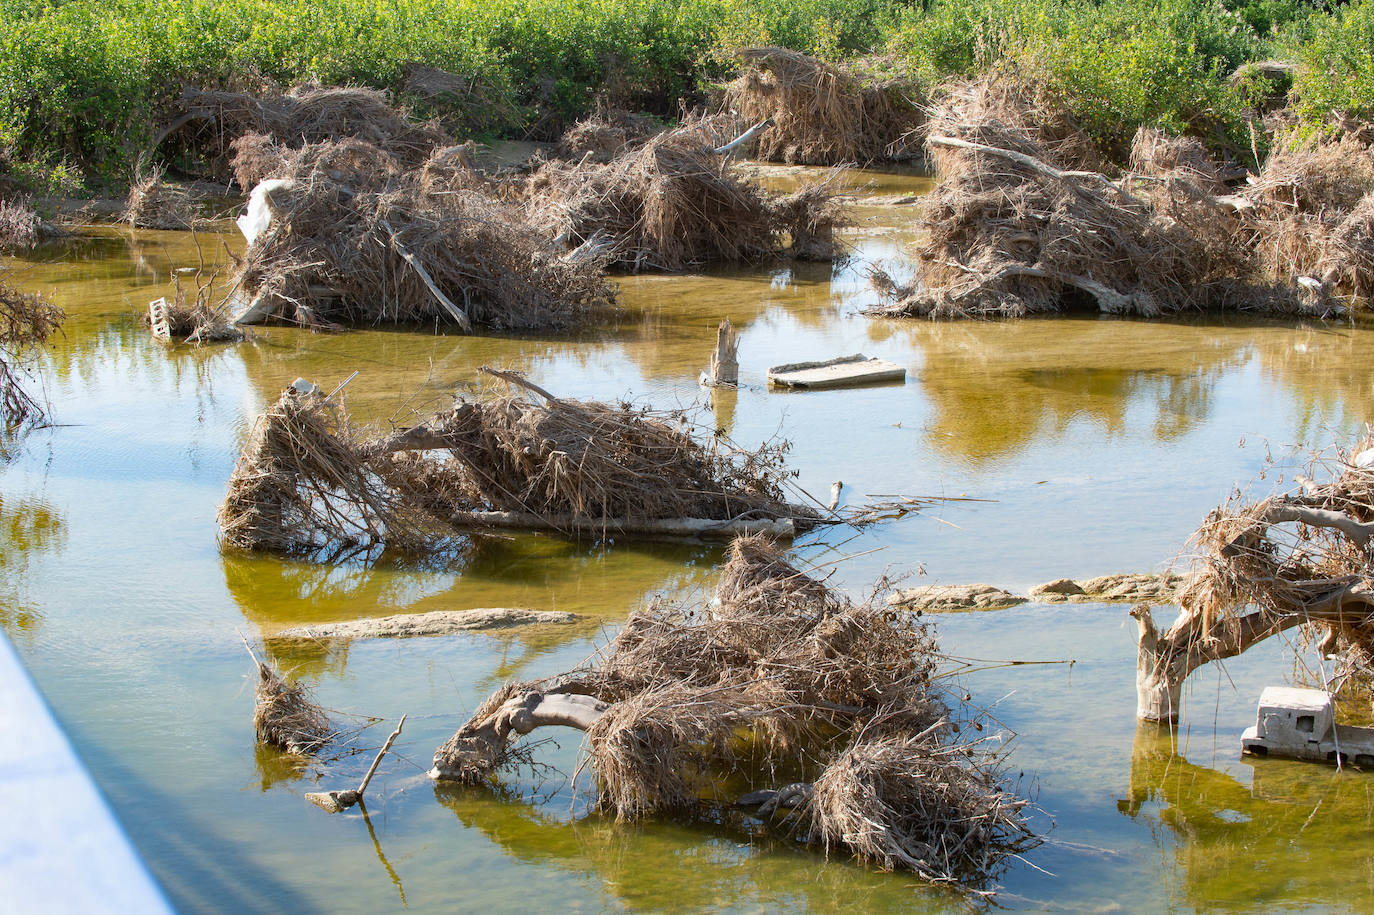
(671, 203)
(821, 114)
(27, 322)
(20, 228)
(154, 204)
(286, 717)
(213, 119)
(1007, 236)
(780, 677)
(348, 231)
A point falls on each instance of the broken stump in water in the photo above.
(725, 359)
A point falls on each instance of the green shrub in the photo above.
(1337, 76)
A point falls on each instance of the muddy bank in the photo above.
(436, 622)
(1105, 589)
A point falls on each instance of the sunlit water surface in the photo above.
(1098, 445)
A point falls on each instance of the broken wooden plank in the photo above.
(845, 371)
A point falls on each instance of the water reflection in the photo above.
(665, 868)
(1300, 834)
(29, 529)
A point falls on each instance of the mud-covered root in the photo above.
(672, 203)
(356, 238)
(154, 204)
(27, 322)
(286, 717)
(914, 803)
(822, 114)
(211, 120)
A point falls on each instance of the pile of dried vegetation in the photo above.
(154, 204)
(20, 226)
(827, 708)
(357, 238)
(822, 114)
(1260, 568)
(306, 482)
(285, 716)
(211, 120)
(606, 134)
(670, 202)
(1313, 216)
(27, 322)
(1022, 223)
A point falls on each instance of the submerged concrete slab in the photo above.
(1297, 723)
(846, 371)
(61, 849)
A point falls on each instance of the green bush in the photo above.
(1337, 73)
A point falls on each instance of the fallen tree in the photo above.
(826, 707)
(1300, 559)
(308, 482)
(352, 237)
(821, 114)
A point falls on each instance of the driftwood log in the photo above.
(1301, 559)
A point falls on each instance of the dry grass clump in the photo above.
(285, 716)
(1156, 154)
(303, 486)
(821, 114)
(306, 482)
(1313, 205)
(212, 120)
(154, 204)
(672, 204)
(194, 321)
(20, 227)
(357, 239)
(27, 322)
(1020, 224)
(605, 135)
(463, 104)
(778, 681)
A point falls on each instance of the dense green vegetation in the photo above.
(85, 82)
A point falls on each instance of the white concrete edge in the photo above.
(61, 848)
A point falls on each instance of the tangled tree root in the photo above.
(1021, 224)
(1301, 559)
(27, 322)
(307, 483)
(356, 239)
(821, 114)
(671, 203)
(777, 675)
(211, 120)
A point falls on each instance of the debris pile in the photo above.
(211, 120)
(306, 482)
(1296, 559)
(821, 114)
(1020, 223)
(606, 135)
(671, 203)
(154, 204)
(777, 678)
(355, 238)
(20, 227)
(285, 716)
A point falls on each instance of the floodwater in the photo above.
(1096, 444)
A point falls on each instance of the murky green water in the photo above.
(1100, 444)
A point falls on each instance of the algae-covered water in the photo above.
(1097, 444)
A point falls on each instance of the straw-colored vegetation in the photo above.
(827, 708)
(1297, 559)
(307, 482)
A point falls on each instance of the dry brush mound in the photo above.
(822, 114)
(307, 482)
(1022, 223)
(356, 238)
(828, 708)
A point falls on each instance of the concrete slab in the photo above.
(61, 849)
(846, 371)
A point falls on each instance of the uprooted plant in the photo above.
(828, 708)
(1297, 559)
(27, 322)
(308, 482)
